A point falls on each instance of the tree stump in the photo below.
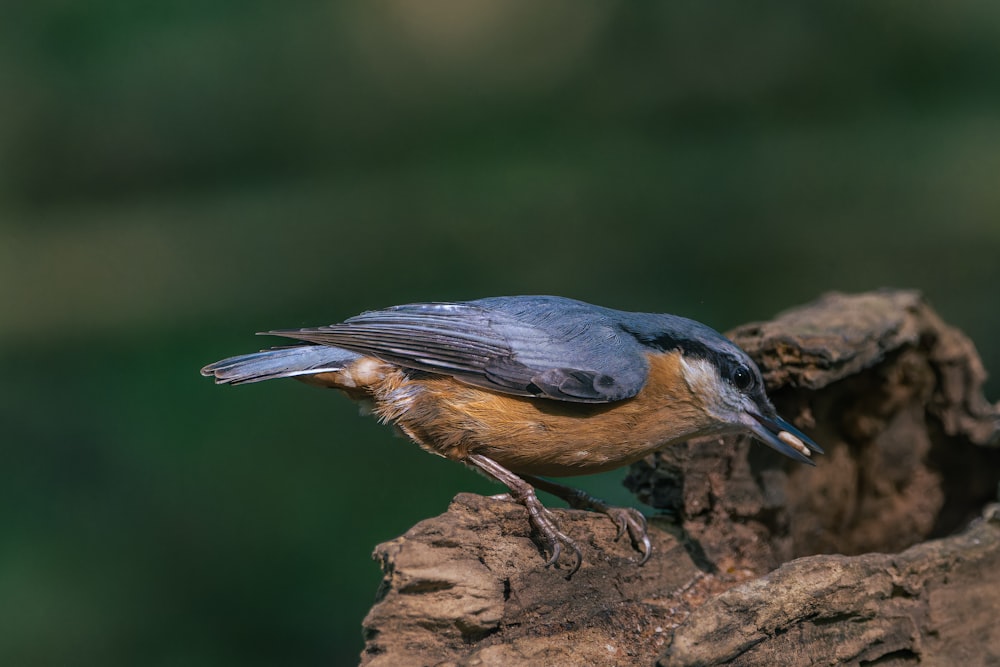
(888, 552)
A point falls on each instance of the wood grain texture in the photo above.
(887, 553)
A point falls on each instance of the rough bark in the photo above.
(757, 560)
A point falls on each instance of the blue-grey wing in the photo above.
(529, 346)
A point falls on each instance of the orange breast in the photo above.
(542, 436)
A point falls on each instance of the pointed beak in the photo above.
(781, 436)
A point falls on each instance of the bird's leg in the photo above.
(541, 518)
(626, 518)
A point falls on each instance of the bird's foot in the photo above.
(628, 519)
(632, 520)
(545, 524)
(541, 518)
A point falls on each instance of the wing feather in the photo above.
(529, 346)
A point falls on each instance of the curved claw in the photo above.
(553, 538)
(556, 549)
(541, 519)
(632, 520)
(554, 544)
(625, 518)
(621, 523)
(522, 490)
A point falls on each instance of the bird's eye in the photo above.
(741, 377)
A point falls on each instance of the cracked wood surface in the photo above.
(756, 560)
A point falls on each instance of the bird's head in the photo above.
(731, 389)
(726, 382)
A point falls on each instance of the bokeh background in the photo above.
(176, 176)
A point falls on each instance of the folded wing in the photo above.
(530, 346)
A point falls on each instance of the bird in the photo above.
(525, 388)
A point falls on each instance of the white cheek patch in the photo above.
(700, 376)
(794, 442)
(718, 399)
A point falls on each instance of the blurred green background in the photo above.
(175, 176)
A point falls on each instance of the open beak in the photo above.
(781, 436)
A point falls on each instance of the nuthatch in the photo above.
(518, 387)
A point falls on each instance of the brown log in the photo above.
(757, 560)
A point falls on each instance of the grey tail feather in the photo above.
(279, 362)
